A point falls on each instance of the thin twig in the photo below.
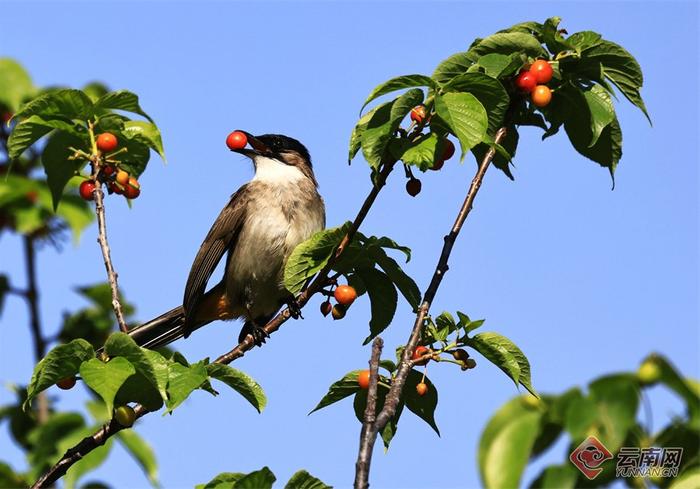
(89, 443)
(86, 446)
(32, 296)
(364, 458)
(394, 396)
(104, 246)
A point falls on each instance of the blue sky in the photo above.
(584, 279)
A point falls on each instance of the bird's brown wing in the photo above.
(220, 238)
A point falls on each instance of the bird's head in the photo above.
(278, 157)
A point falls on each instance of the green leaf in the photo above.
(556, 477)
(311, 256)
(422, 152)
(422, 406)
(95, 90)
(553, 39)
(136, 157)
(617, 400)
(106, 378)
(339, 390)
(583, 40)
(121, 100)
(146, 133)
(465, 116)
(65, 103)
(680, 385)
(142, 452)
(581, 413)
(89, 462)
(225, 480)
(488, 90)
(61, 362)
(453, 66)
(384, 123)
(607, 150)
(503, 353)
(401, 280)
(182, 381)
(506, 444)
(356, 136)
(31, 129)
(59, 169)
(303, 480)
(240, 382)
(601, 109)
(15, 84)
(501, 65)
(148, 363)
(620, 67)
(508, 43)
(44, 438)
(383, 299)
(399, 83)
(260, 479)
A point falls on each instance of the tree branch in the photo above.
(364, 457)
(98, 439)
(87, 445)
(394, 396)
(32, 296)
(104, 246)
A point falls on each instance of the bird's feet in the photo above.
(294, 308)
(257, 332)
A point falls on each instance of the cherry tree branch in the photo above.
(394, 396)
(32, 296)
(98, 194)
(370, 416)
(99, 438)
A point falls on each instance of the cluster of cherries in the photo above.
(124, 415)
(344, 295)
(413, 185)
(533, 81)
(421, 356)
(118, 181)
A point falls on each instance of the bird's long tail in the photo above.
(162, 330)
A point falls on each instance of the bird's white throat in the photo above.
(270, 170)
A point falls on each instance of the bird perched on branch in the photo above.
(257, 231)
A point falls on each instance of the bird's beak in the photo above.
(258, 147)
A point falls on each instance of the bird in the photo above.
(257, 230)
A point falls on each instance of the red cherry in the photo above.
(542, 71)
(132, 189)
(345, 295)
(422, 388)
(419, 352)
(541, 96)
(413, 187)
(363, 379)
(66, 384)
(108, 170)
(326, 308)
(526, 81)
(418, 113)
(236, 140)
(107, 142)
(87, 190)
(449, 150)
